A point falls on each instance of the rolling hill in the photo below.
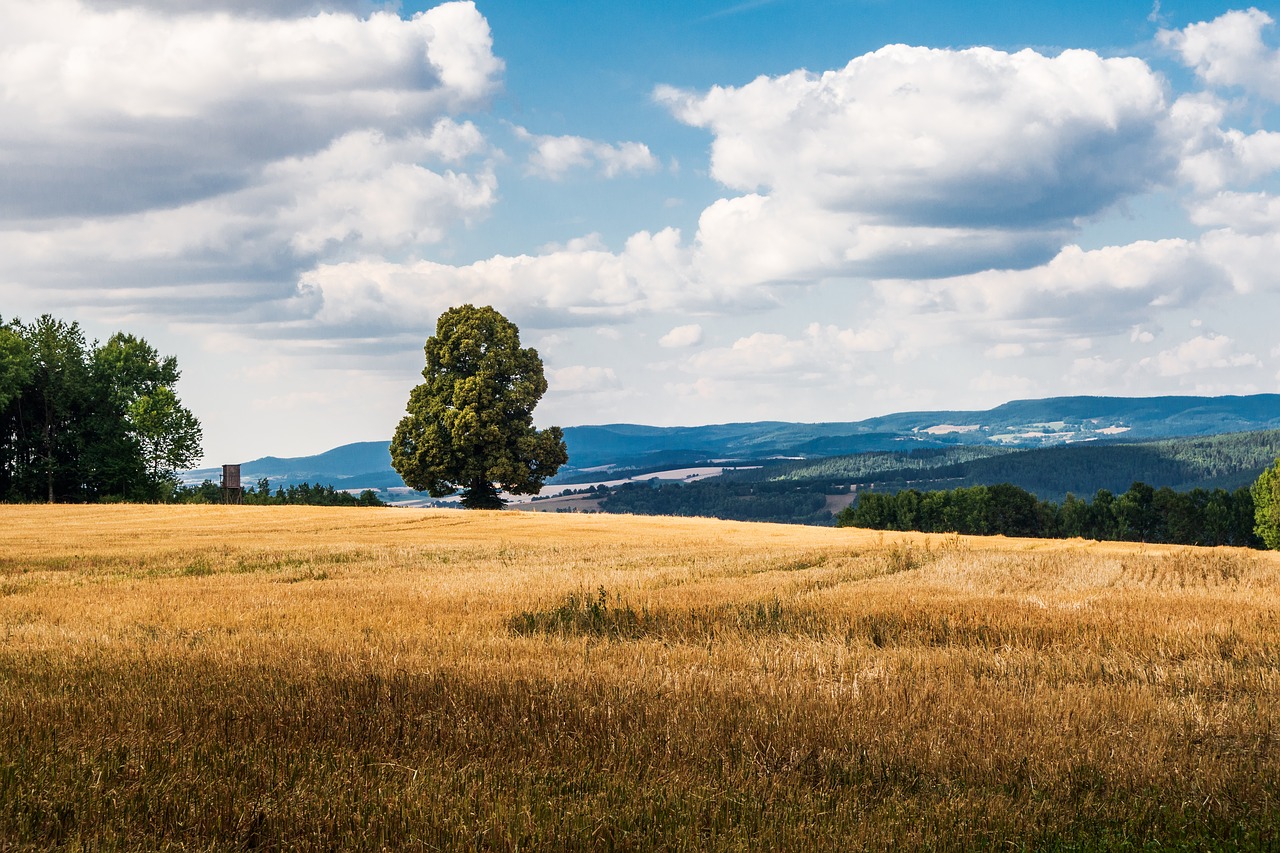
(631, 448)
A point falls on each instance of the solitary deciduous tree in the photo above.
(1266, 506)
(470, 424)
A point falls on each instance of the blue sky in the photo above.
(698, 212)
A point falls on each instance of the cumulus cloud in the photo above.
(1250, 259)
(1229, 52)
(1200, 353)
(1102, 291)
(942, 138)
(364, 192)
(822, 350)
(117, 111)
(198, 164)
(558, 290)
(554, 156)
(682, 336)
(1213, 156)
(582, 379)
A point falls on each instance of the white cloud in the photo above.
(1202, 352)
(364, 192)
(682, 336)
(1101, 291)
(557, 290)
(582, 379)
(1229, 51)
(108, 112)
(942, 138)
(820, 351)
(1214, 157)
(1255, 213)
(1139, 335)
(1251, 259)
(1003, 351)
(554, 156)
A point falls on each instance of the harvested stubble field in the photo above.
(219, 678)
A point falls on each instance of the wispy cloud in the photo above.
(739, 9)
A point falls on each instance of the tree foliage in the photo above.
(470, 424)
(82, 422)
(1266, 506)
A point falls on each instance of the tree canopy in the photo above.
(82, 422)
(470, 426)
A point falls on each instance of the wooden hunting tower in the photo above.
(231, 491)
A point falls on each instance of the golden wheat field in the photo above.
(224, 678)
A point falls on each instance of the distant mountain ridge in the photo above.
(1020, 423)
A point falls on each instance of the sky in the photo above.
(697, 212)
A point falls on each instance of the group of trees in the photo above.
(1141, 514)
(303, 494)
(84, 421)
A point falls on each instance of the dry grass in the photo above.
(295, 678)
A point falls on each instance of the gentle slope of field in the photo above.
(300, 678)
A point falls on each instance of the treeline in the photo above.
(84, 421)
(1141, 514)
(303, 494)
(723, 497)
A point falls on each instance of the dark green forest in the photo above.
(1140, 514)
(84, 421)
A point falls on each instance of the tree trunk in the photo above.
(481, 494)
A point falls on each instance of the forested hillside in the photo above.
(620, 450)
(1220, 461)
(805, 492)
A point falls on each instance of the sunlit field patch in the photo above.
(296, 678)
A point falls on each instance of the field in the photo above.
(219, 678)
